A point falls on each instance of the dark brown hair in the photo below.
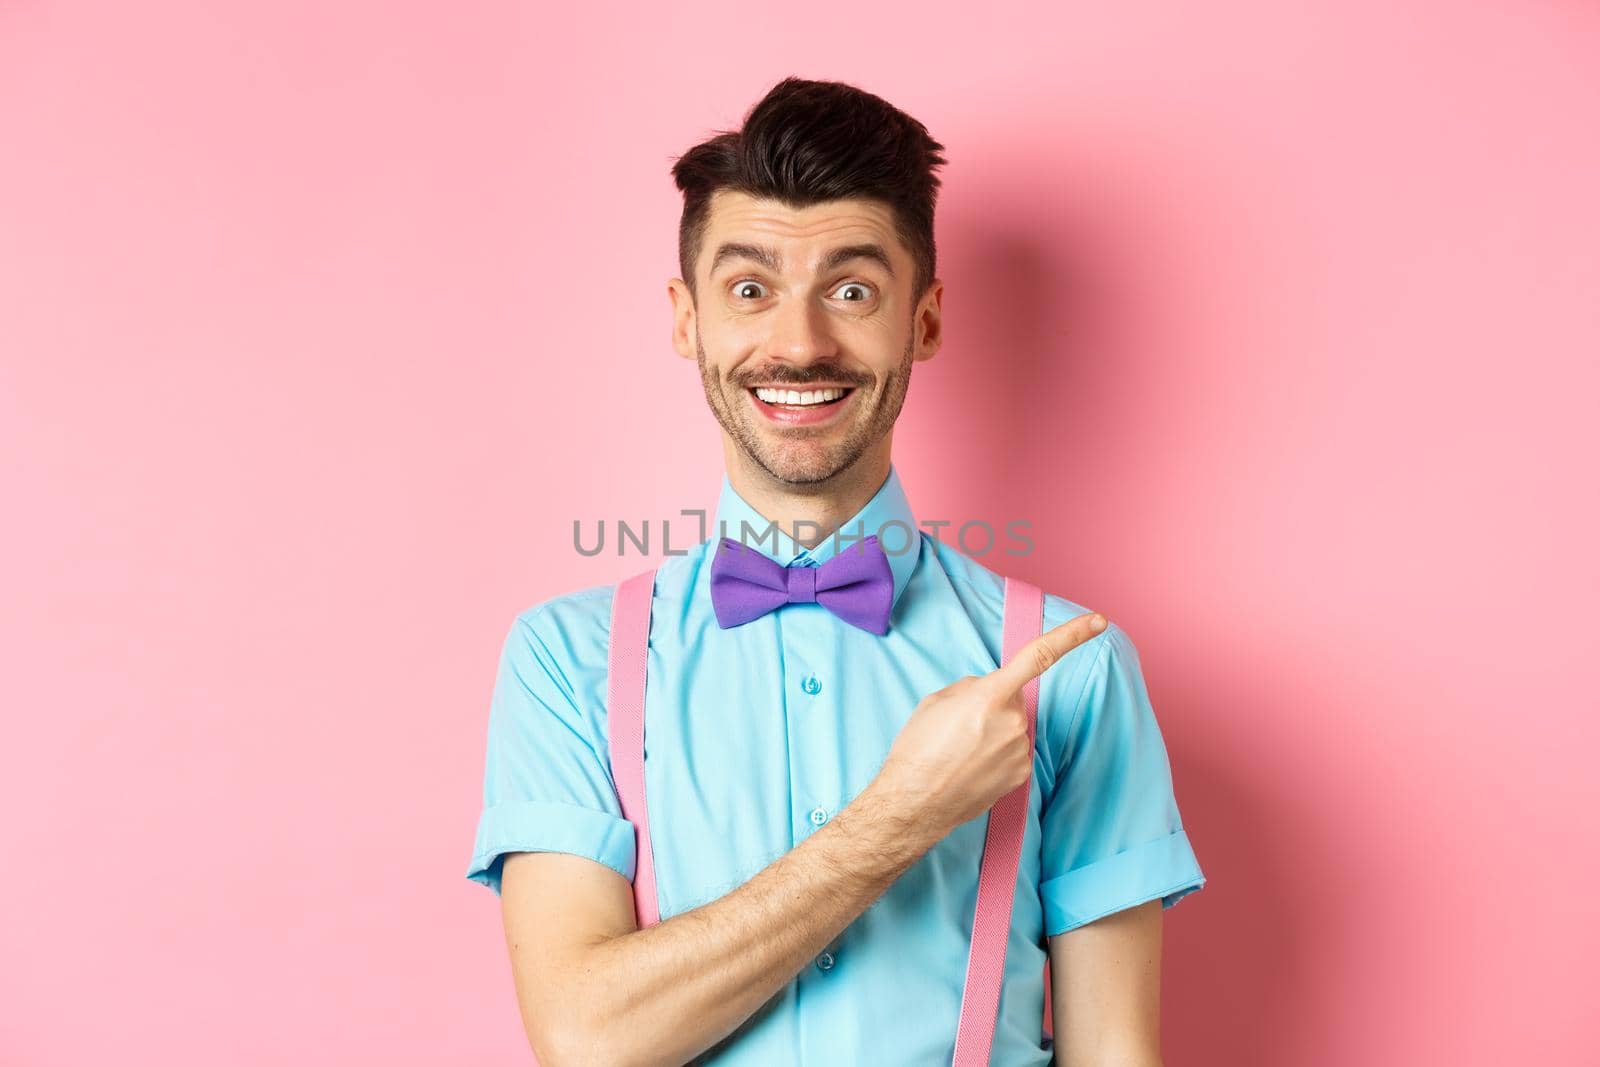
(810, 141)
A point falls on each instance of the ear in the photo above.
(928, 324)
(683, 320)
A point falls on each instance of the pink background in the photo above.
(321, 323)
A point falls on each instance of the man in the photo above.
(818, 781)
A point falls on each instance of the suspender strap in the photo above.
(629, 653)
(1002, 854)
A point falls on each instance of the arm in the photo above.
(1105, 989)
(1115, 855)
(595, 989)
(592, 987)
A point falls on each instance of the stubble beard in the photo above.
(794, 456)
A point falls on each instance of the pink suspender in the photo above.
(630, 642)
(1002, 846)
(1002, 853)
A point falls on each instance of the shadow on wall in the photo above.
(1046, 305)
(1033, 317)
(1235, 954)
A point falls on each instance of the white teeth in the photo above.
(790, 396)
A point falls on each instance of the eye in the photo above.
(748, 290)
(854, 292)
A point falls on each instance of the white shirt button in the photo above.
(825, 962)
(818, 816)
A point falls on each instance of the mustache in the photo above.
(790, 377)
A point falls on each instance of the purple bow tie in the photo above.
(856, 584)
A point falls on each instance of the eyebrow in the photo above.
(770, 259)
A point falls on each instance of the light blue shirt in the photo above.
(757, 735)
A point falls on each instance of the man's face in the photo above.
(815, 301)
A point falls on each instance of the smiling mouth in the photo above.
(800, 399)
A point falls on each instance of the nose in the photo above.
(800, 333)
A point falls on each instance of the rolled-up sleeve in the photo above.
(547, 783)
(1112, 835)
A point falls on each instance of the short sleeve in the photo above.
(547, 783)
(1112, 835)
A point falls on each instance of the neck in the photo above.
(814, 510)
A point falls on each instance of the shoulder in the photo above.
(985, 588)
(981, 587)
(582, 617)
(575, 614)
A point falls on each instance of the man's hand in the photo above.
(966, 745)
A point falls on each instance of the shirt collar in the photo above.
(888, 514)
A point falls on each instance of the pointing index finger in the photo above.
(1044, 651)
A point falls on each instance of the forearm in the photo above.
(664, 994)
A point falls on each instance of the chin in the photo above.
(802, 464)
